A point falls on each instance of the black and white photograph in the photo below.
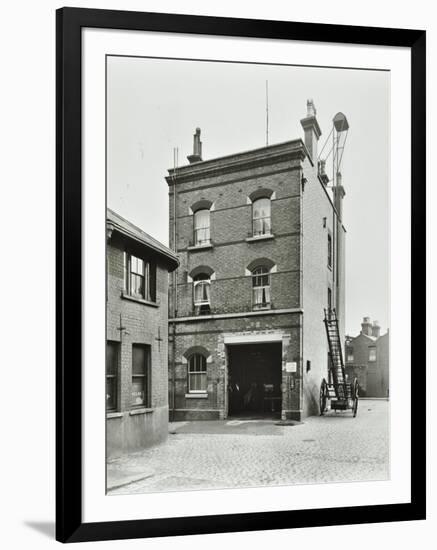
(218, 266)
(247, 275)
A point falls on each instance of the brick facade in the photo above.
(296, 252)
(132, 321)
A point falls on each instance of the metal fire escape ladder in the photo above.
(335, 353)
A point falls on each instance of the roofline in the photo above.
(173, 260)
(238, 160)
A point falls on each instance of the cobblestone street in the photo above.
(234, 453)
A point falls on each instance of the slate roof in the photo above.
(125, 227)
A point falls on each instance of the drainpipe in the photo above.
(175, 286)
(301, 304)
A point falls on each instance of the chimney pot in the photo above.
(197, 148)
(311, 108)
(376, 329)
(366, 326)
(311, 129)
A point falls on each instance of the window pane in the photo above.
(140, 266)
(140, 375)
(260, 277)
(111, 357)
(261, 208)
(146, 281)
(137, 265)
(266, 226)
(261, 217)
(137, 285)
(138, 390)
(201, 219)
(201, 292)
(111, 392)
(197, 363)
(139, 358)
(202, 381)
(197, 381)
(201, 227)
(257, 227)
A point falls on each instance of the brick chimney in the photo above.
(197, 148)
(311, 129)
(366, 326)
(376, 329)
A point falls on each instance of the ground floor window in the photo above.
(112, 361)
(140, 376)
(197, 373)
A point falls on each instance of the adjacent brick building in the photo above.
(261, 249)
(367, 358)
(137, 327)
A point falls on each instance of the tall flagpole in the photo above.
(267, 112)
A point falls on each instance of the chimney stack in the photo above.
(311, 129)
(197, 148)
(376, 329)
(366, 326)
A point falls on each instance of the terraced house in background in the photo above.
(367, 359)
(260, 241)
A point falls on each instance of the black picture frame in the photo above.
(69, 23)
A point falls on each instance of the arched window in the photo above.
(261, 287)
(201, 227)
(197, 382)
(261, 217)
(201, 293)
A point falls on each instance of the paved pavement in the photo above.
(251, 453)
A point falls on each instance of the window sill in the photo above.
(195, 248)
(263, 308)
(260, 238)
(139, 300)
(114, 414)
(196, 396)
(134, 412)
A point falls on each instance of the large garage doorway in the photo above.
(254, 380)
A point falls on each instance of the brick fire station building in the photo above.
(260, 241)
(136, 347)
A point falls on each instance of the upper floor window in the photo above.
(261, 217)
(197, 381)
(202, 287)
(261, 287)
(201, 227)
(139, 278)
(372, 354)
(329, 250)
(349, 354)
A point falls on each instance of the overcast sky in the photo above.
(155, 105)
